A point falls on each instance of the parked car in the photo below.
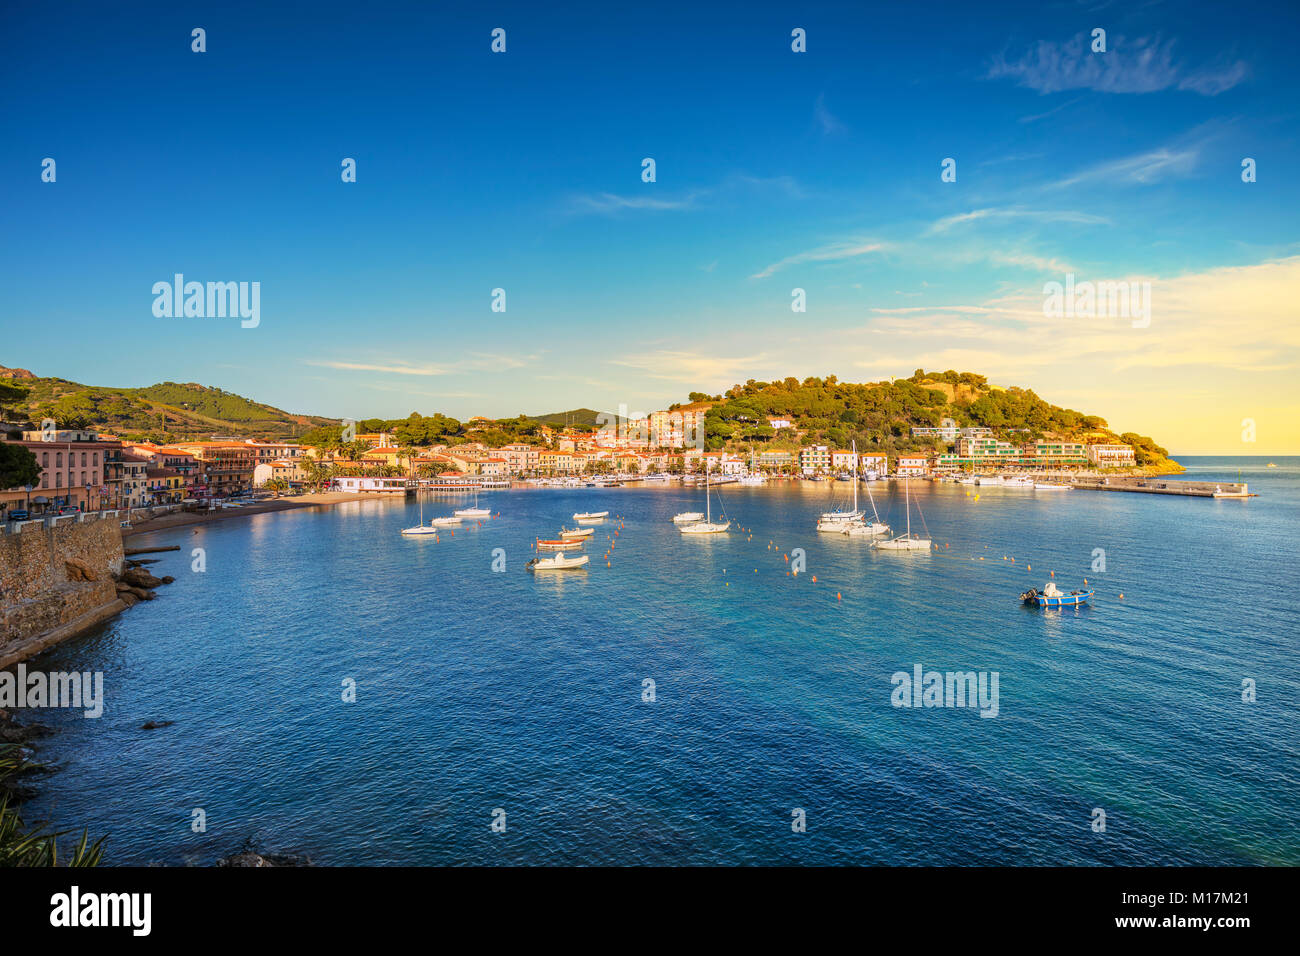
(19, 514)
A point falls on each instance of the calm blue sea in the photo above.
(479, 691)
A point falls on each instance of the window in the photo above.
(45, 459)
(58, 460)
(94, 458)
(83, 459)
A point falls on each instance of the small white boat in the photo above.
(1018, 481)
(870, 529)
(1044, 486)
(687, 517)
(707, 526)
(446, 520)
(421, 528)
(989, 480)
(557, 563)
(590, 515)
(904, 542)
(475, 512)
(576, 532)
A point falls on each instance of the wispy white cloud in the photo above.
(1142, 65)
(829, 253)
(393, 369)
(1156, 165)
(694, 367)
(608, 203)
(826, 121)
(1015, 212)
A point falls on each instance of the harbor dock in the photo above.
(1155, 486)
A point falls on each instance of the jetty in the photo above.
(1155, 486)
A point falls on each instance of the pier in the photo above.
(1156, 486)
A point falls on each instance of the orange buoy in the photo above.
(1121, 597)
(814, 579)
(839, 596)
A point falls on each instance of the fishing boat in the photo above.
(475, 512)
(907, 541)
(590, 515)
(560, 544)
(1052, 596)
(577, 532)
(557, 563)
(707, 526)
(686, 517)
(421, 528)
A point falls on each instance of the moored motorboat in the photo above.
(560, 544)
(557, 562)
(576, 532)
(1052, 596)
(590, 515)
(1047, 486)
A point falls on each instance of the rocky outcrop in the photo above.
(56, 581)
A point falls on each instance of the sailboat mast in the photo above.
(854, 446)
(708, 511)
(907, 504)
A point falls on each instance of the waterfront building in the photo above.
(224, 468)
(843, 460)
(288, 470)
(560, 462)
(877, 463)
(775, 459)
(163, 486)
(73, 464)
(520, 458)
(1046, 453)
(367, 485)
(912, 465)
(1111, 456)
(987, 450)
(815, 459)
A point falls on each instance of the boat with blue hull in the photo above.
(1052, 596)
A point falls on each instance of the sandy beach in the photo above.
(177, 519)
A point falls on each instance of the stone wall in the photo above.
(56, 579)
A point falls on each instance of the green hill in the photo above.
(166, 411)
(880, 416)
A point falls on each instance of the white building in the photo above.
(912, 465)
(1111, 456)
(383, 486)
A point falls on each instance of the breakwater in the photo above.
(1155, 486)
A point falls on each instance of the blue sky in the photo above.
(775, 170)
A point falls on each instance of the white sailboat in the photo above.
(475, 512)
(706, 526)
(853, 522)
(905, 542)
(420, 528)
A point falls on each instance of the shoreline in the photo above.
(181, 519)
